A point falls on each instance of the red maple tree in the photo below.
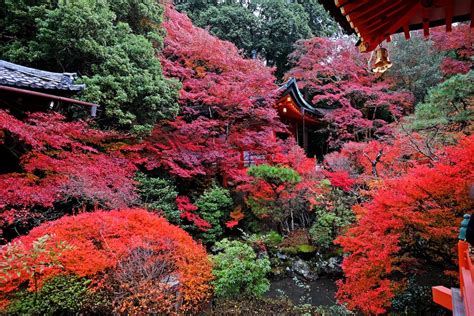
(458, 43)
(369, 164)
(60, 162)
(226, 106)
(424, 205)
(188, 212)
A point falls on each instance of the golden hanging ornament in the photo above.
(382, 60)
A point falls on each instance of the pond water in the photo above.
(300, 291)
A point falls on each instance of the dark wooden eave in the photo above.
(51, 97)
(25, 81)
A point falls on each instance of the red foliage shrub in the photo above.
(423, 206)
(451, 66)
(101, 243)
(459, 43)
(458, 40)
(60, 161)
(368, 161)
(340, 179)
(236, 216)
(187, 208)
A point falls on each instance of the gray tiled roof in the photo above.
(20, 76)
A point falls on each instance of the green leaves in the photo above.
(320, 21)
(233, 23)
(333, 217)
(60, 295)
(274, 174)
(214, 204)
(417, 65)
(447, 104)
(159, 194)
(238, 272)
(283, 24)
(268, 27)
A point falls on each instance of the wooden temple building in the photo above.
(25, 89)
(305, 122)
(374, 21)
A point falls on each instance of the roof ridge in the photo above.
(291, 86)
(62, 77)
(12, 74)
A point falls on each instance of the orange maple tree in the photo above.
(100, 246)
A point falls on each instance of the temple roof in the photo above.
(291, 88)
(376, 20)
(19, 76)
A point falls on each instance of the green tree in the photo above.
(238, 272)
(333, 216)
(62, 295)
(276, 175)
(213, 205)
(272, 195)
(320, 21)
(448, 105)
(416, 65)
(282, 25)
(193, 7)
(322, 230)
(233, 23)
(159, 194)
(111, 43)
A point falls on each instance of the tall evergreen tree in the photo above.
(112, 44)
(417, 65)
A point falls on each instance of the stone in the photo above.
(331, 266)
(302, 268)
(281, 256)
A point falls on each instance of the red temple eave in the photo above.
(293, 106)
(376, 20)
(288, 109)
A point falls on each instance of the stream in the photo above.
(300, 291)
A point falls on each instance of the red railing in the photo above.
(444, 296)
